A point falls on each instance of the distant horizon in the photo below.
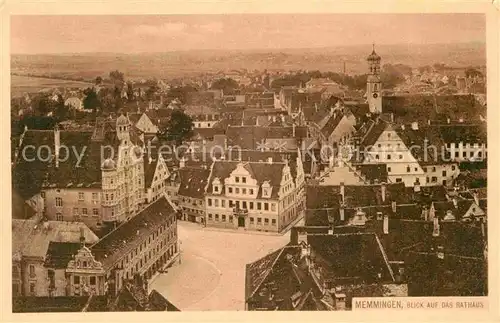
(367, 45)
(139, 34)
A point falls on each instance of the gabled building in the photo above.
(155, 176)
(191, 193)
(262, 196)
(41, 251)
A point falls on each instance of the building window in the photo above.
(216, 188)
(244, 204)
(425, 169)
(216, 217)
(95, 196)
(243, 191)
(388, 169)
(59, 201)
(259, 220)
(76, 280)
(75, 211)
(273, 207)
(223, 203)
(266, 206)
(259, 206)
(223, 218)
(237, 190)
(464, 154)
(216, 202)
(251, 191)
(398, 180)
(84, 211)
(433, 169)
(408, 169)
(388, 156)
(243, 179)
(42, 194)
(444, 173)
(32, 270)
(59, 217)
(266, 221)
(231, 203)
(434, 179)
(209, 202)
(251, 205)
(81, 196)
(230, 190)
(251, 220)
(95, 212)
(32, 289)
(237, 179)
(377, 156)
(453, 167)
(273, 221)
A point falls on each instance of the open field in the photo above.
(183, 63)
(27, 84)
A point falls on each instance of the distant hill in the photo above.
(177, 64)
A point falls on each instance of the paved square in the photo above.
(211, 273)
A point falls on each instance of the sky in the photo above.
(148, 33)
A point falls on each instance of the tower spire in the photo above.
(373, 47)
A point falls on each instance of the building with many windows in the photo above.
(93, 177)
(260, 196)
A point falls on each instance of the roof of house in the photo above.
(193, 181)
(60, 253)
(32, 238)
(251, 137)
(332, 123)
(126, 237)
(355, 256)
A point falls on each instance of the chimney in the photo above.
(274, 118)
(483, 229)
(57, 143)
(383, 190)
(342, 191)
(402, 127)
(257, 121)
(293, 129)
(269, 160)
(386, 224)
(425, 213)
(394, 206)
(392, 117)
(414, 125)
(455, 202)
(150, 105)
(342, 212)
(429, 122)
(448, 121)
(182, 163)
(435, 230)
(316, 107)
(82, 236)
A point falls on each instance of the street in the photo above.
(211, 275)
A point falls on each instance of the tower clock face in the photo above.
(375, 95)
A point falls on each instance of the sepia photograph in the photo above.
(248, 162)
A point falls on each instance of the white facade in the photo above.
(401, 165)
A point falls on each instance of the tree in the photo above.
(227, 85)
(98, 80)
(181, 93)
(130, 91)
(60, 111)
(91, 101)
(472, 72)
(42, 104)
(178, 128)
(117, 79)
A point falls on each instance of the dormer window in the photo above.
(266, 189)
(217, 186)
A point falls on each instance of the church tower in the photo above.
(373, 83)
